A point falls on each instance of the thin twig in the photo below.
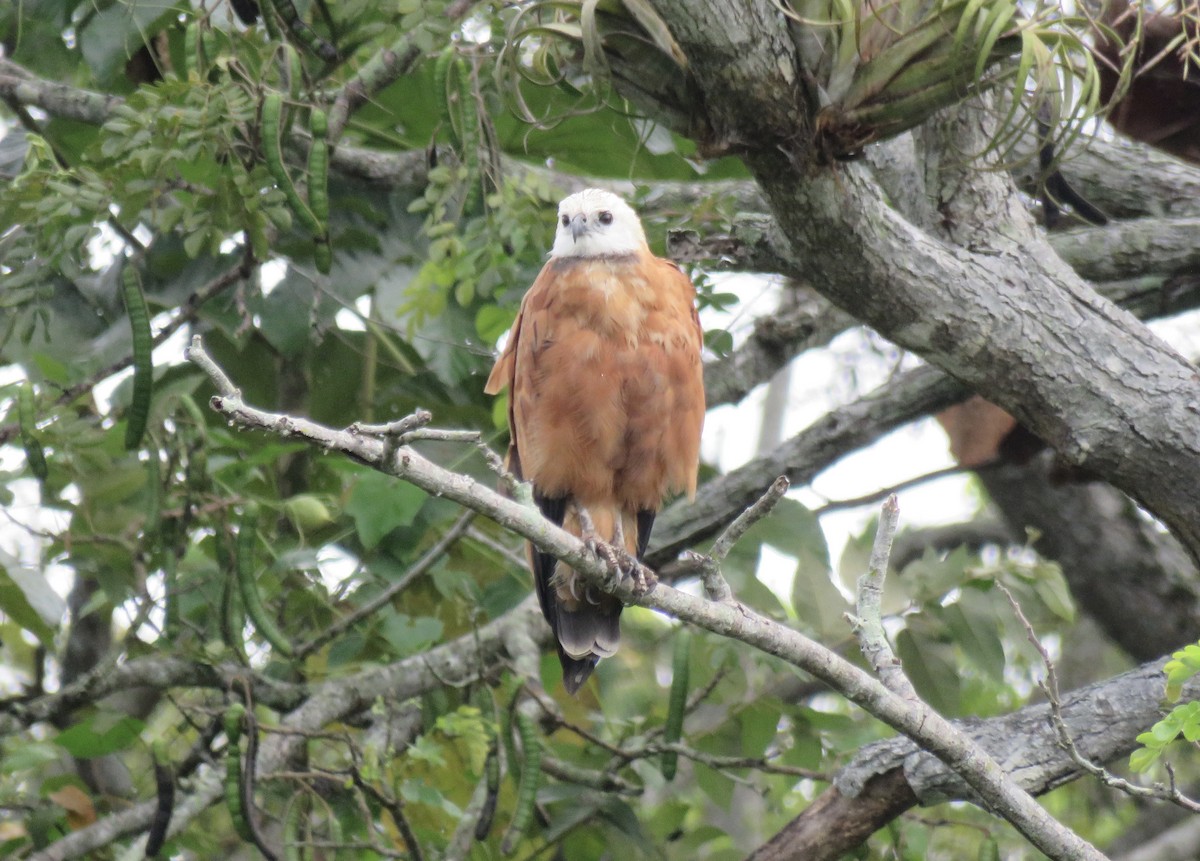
(716, 588)
(868, 623)
(742, 523)
(511, 556)
(437, 435)
(196, 354)
(1049, 685)
(395, 807)
(593, 778)
(418, 418)
(875, 496)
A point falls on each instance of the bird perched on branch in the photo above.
(606, 404)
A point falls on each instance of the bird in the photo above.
(605, 407)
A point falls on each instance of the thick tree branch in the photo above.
(1123, 178)
(1152, 251)
(1103, 718)
(1019, 328)
(155, 672)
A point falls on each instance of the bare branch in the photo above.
(744, 521)
(868, 623)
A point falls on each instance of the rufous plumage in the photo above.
(606, 405)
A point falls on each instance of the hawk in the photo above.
(606, 405)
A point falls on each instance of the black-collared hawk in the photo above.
(606, 405)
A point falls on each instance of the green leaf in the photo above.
(1051, 587)
(1183, 665)
(407, 635)
(759, 723)
(28, 755)
(27, 599)
(930, 666)
(114, 484)
(114, 33)
(1142, 758)
(794, 530)
(99, 735)
(974, 626)
(492, 321)
(717, 785)
(930, 577)
(380, 504)
(818, 602)
(719, 341)
(286, 314)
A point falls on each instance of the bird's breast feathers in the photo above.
(606, 390)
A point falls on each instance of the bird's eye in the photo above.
(565, 221)
(605, 217)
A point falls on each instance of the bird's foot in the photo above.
(619, 560)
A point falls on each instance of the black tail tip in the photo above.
(576, 671)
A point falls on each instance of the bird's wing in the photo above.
(531, 327)
(680, 395)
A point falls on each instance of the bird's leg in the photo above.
(591, 539)
(632, 567)
(614, 553)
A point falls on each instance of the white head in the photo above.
(597, 223)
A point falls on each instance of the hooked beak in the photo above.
(578, 226)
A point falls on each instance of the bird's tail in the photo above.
(585, 620)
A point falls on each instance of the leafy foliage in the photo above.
(1182, 720)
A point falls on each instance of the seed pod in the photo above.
(164, 783)
(251, 600)
(272, 111)
(143, 365)
(233, 771)
(318, 187)
(673, 729)
(531, 774)
(305, 34)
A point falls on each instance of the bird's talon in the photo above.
(644, 580)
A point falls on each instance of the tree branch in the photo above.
(868, 619)
(1151, 250)
(385, 67)
(891, 776)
